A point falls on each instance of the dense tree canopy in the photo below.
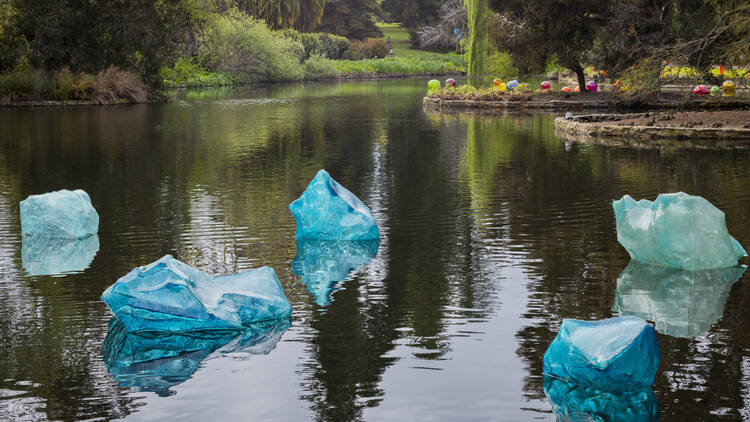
(412, 13)
(350, 18)
(280, 14)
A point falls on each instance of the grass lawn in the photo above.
(402, 46)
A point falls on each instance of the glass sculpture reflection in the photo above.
(572, 402)
(324, 263)
(681, 303)
(54, 256)
(154, 362)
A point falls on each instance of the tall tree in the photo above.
(281, 14)
(566, 29)
(350, 18)
(478, 14)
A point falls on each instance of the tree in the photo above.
(566, 29)
(281, 14)
(478, 14)
(441, 36)
(350, 18)
(413, 13)
(91, 35)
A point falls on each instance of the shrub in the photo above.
(246, 49)
(367, 49)
(319, 67)
(190, 74)
(500, 65)
(320, 43)
(112, 85)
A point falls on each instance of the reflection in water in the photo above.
(53, 256)
(681, 303)
(572, 402)
(153, 362)
(324, 263)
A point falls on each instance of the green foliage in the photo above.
(367, 49)
(396, 66)
(110, 86)
(352, 19)
(320, 43)
(189, 74)
(13, 46)
(412, 13)
(500, 65)
(479, 45)
(319, 67)
(246, 49)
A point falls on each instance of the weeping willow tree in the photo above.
(479, 42)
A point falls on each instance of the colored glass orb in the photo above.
(502, 87)
(591, 86)
(565, 89)
(729, 89)
(497, 82)
(545, 85)
(715, 90)
(433, 85)
(511, 85)
(700, 90)
(450, 82)
(578, 88)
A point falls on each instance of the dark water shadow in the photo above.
(55, 256)
(322, 264)
(681, 303)
(155, 363)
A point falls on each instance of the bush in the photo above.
(368, 49)
(320, 43)
(109, 86)
(248, 51)
(500, 65)
(319, 67)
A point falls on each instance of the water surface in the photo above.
(493, 230)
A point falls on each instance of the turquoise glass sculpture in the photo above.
(681, 303)
(55, 256)
(677, 230)
(573, 402)
(155, 362)
(62, 214)
(323, 264)
(172, 297)
(613, 355)
(326, 210)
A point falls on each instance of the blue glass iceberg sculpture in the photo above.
(677, 230)
(681, 303)
(612, 355)
(172, 297)
(573, 402)
(327, 210)
(155, 363)
(322, 264)
(62, 214)
(54, 256)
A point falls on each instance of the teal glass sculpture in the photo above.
(326, 210)
(172, 297)
(54, 256)
(681, 303)
(573, 402)
(62, 214)
(677, 230)
(613, 355)
(156, 362)
(323, 264)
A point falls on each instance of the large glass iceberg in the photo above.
(613, 355)
(322, 264)
(156, 362)
(62, 214)
(677, 230)
(54, 256)
(327, 210)
(172, 297)
(681, 303)
(573, 402)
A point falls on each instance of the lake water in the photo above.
(493, 231)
